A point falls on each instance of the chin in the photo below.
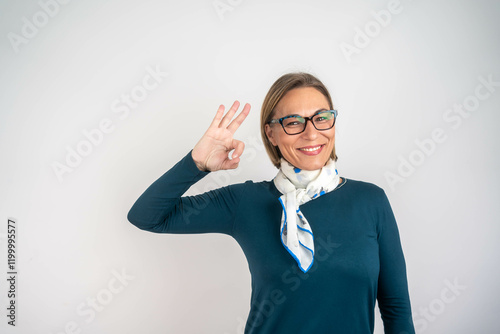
(311, 165)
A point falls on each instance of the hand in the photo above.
(211, 153)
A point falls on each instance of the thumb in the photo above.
(238, 146)
(232, 163)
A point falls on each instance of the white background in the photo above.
(73, 233)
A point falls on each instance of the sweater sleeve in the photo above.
(393, 297)
(162, 209)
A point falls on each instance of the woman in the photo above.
(321, 249)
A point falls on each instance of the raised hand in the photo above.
(211, 153)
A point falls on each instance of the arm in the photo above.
(161, 208)
(393, 298)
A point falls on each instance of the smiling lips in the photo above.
(311, 150)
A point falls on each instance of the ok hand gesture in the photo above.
(211, 153)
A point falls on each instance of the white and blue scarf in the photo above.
(299, 187)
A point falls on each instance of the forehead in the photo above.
(304, 101)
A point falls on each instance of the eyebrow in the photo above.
(317, 111)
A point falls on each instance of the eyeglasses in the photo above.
(295, 124)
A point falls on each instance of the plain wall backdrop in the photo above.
(100, 98)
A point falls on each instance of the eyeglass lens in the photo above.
(297, 124)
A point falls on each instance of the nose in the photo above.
(310, 131)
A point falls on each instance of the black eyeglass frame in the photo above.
(280, 120)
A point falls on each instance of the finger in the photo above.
(235, 124)
(231, 163)
(218, 116)
(229, 115)
(238, 146)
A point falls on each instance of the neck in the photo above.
(300, 178)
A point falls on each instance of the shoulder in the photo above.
(363, 188)
(252, 191)
(258, 187)
(372, 200)
(364, 193)
(249, 187)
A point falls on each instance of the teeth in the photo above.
(310, 149)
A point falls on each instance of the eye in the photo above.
(293, 121)
(323, 116)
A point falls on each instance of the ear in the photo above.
(269, 134)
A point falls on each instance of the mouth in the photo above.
(311, 150)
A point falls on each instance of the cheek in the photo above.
(287, 143)
(331, 136)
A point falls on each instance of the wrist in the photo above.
(198, 164)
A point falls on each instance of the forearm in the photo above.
(162, 209)
(393, 296)
(163, 197)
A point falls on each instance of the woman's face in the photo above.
(310, 149)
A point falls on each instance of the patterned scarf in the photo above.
(299, 187)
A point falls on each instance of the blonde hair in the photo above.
(280, 87)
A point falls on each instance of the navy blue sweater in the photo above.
(358, 257)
